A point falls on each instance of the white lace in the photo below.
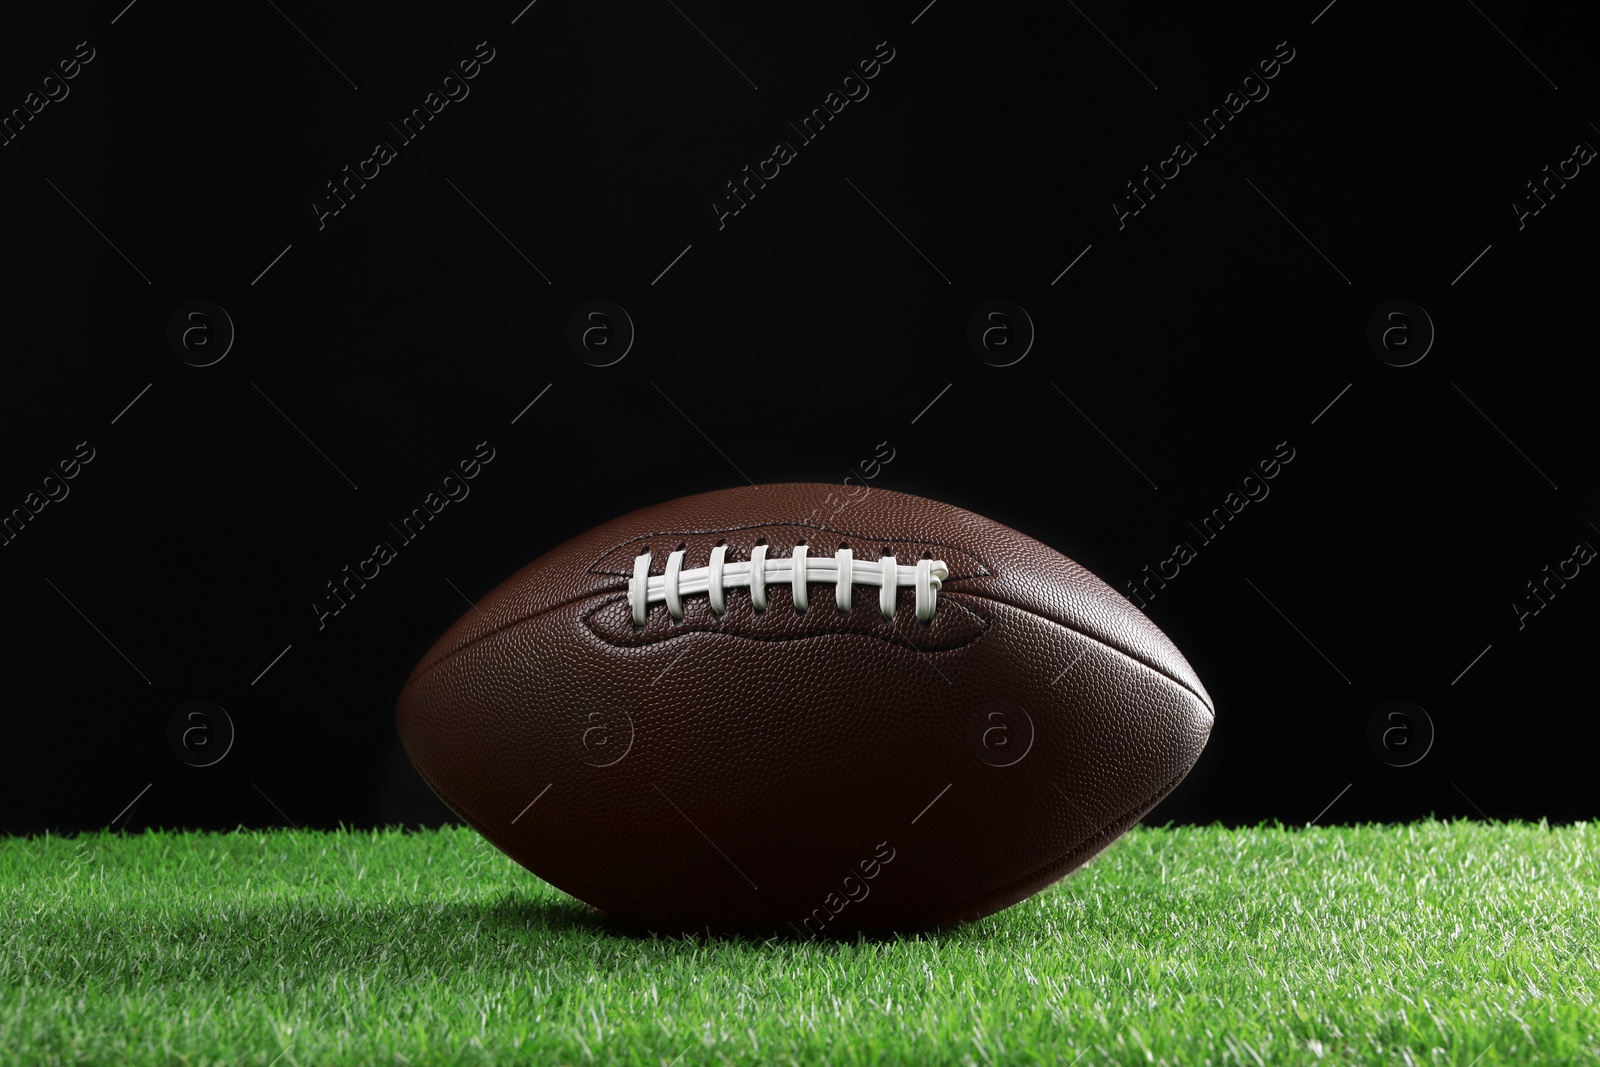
(758, 572)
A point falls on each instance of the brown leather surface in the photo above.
(775, 755)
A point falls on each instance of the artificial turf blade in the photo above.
(1429, 943)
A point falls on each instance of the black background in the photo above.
(823, 319)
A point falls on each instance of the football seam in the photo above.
(1205, 702)
(428, 667)
(891, 638)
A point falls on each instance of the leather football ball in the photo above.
(761, 709)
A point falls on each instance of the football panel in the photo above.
(710, 777)
(986, 558)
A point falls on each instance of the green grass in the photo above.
(1433, 943)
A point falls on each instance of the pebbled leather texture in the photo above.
(816, 771)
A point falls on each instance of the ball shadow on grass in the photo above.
(563, 915)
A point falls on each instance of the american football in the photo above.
(758, 709)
